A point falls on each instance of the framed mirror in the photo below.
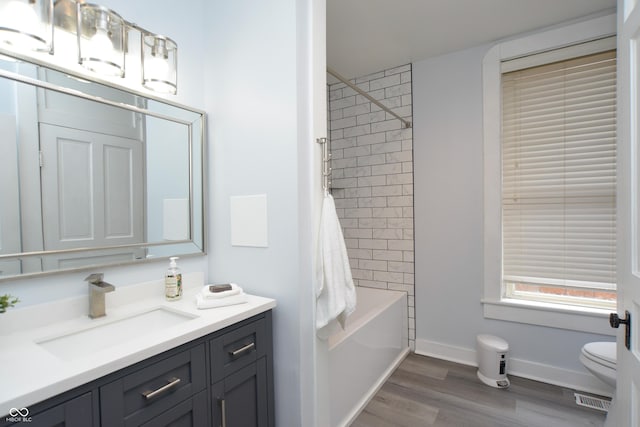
(94, 175)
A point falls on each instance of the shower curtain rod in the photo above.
(406, 123)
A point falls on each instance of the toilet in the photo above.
(600, 359)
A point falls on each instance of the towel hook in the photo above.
(326, 168)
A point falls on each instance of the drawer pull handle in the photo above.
(223, 412)
(151, 394)
(243, 349)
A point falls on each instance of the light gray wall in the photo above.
(258, 146)
(448, 173)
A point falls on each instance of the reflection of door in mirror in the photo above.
(90, 185)
(91, 194)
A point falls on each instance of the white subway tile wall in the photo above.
(372, 180)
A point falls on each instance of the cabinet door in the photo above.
(191, 413)
(241, 399)
(74, 413)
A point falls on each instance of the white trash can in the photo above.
(493, 355)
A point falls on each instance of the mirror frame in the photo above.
(199, 249)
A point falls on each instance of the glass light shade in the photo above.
(27, 24)
(159, 63)
(102, 39)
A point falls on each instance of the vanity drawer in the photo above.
(237, 349)
(76, 412)
(192, 412)
(146, 393)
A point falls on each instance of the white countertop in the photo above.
(30, 374)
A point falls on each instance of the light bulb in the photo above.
(103, 55)
(158, 67)
(101, 44)
(157, 76)
(157, 63)
(22, 18)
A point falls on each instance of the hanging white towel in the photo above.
(335, 292)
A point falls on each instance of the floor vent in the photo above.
(593, 402)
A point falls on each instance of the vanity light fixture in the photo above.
(27, 24)
(102, 37)
(159, 63)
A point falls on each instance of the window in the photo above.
(541, 290)
(558, 151)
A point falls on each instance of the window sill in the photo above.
(550, 315)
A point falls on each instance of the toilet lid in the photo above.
(602, 352)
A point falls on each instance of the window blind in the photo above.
(559, 173)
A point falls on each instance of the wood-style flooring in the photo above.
(425, 391)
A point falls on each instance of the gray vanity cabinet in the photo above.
(190, 413)
(240, 376)
(241, 399)
(222, 379)
(76, 412)
(140, 396)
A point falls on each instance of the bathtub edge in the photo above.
(364, 401)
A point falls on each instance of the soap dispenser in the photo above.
(173, 281)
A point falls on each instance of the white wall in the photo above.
(257, 94)
(448, 173)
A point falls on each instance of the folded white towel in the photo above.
(207, 294)
(335, 292)
(203, 303)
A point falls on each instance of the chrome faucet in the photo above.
(97, 289)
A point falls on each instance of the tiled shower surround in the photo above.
(372, 180)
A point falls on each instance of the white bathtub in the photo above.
(364, 355)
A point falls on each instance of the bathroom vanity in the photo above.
(110, 175)
(212, 368)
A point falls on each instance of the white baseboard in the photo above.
(582, 381)
(446, 352)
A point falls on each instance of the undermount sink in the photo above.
(86, 341)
